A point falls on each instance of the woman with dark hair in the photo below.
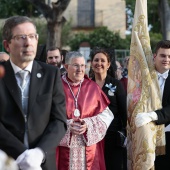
(103, 75)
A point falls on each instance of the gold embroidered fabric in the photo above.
(145, 142)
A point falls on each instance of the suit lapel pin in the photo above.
(111, 88)
(39, 75)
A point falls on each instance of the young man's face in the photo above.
(162, 60)
(54, 58)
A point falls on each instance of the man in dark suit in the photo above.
(32, 114)
(55, 58)
(161, 116)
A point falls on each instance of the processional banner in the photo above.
(145, 142)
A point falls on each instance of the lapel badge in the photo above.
(111, 89)
(110, 93)
(39, 75)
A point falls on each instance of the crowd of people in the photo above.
(63, 115)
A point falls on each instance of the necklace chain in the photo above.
(75, 97)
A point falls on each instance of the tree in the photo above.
(158, 16)
(55, 19)
(164, 12)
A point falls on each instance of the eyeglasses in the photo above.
(24, 36)
(76, 66)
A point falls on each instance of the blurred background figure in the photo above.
(4, 56)
(55, 58)
(63, 53)
(121, 74)
(88, 65)
(125, 66)
(119, 70)
(104, 76)
(7, 163)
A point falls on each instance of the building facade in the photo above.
(90, 14)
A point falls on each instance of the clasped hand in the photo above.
(31, 159)
(78, 127)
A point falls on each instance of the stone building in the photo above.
(86, 15)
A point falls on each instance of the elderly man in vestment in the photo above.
(88, 118)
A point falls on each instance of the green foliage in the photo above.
(154, 39)
(76, 39)
(153, 14)
(17, 7)
(101, 37)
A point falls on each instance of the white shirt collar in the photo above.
(17, 69)
(164, 75)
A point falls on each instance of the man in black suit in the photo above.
(55, 58)
(161, 116)
(32, 114)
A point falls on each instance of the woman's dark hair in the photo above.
(109, 53)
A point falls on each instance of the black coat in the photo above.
(46, 113)
(164, 113)
(162, 161)
(117, 103)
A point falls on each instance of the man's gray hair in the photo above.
(72, 54)
(12, 22)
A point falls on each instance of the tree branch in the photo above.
(60, 4)
(45, 9)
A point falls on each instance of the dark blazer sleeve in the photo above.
(56, 128)
(164, 113)
(10, 141)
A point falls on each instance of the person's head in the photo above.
(4, 56)
(75, 66)
(54, 56)
(88, 63)
(20, 39)
(100, 62)
(162, 56)
(119, 70)
(126, 61)
(63, 53)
